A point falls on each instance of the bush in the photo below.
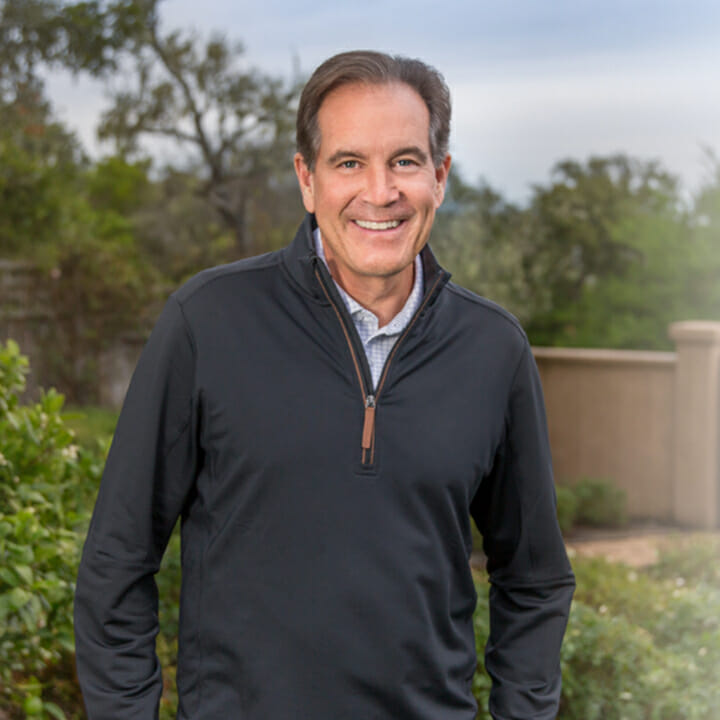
(92, 425)
(677, 623)
(566, 508)
(640, 645)
(695, 560)
(600, 503)
(46, 485)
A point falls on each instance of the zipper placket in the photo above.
(386, 368)
(368, 433)
(370, 400)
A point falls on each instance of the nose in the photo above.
(381, 186)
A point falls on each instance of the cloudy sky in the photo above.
(532, 82)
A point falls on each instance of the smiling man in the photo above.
(325, 420)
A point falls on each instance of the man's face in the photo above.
(374, 189)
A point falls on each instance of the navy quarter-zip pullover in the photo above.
(325, 523)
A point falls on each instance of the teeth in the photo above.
(378, 225)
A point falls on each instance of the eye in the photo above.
(406, 162)
(349, 164)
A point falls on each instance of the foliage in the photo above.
(606, 254)
(73, 224)
(695, 559)
(39, 161)
(92, 308)
(54, 33)
(237, 124)
(588, 227)
(169, 580)
(567, 503)
(638, 646)
(600, 503)
(91, 424)
(478, 236)
(667, 645)
(45, 491)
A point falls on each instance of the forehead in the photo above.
(373, 116)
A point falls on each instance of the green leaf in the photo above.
(8, 576)
(54, 710)
(33, 706)
(18, 598)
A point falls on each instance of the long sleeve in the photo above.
(531, 579)
(149, 473)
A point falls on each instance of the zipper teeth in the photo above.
(358, 371)
(347, 337)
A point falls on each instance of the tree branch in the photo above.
(201, 140)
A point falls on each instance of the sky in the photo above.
(532, 82)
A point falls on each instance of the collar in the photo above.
(300, 260)
(401, 319)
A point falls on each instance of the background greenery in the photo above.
(640, 645)
(606, 253)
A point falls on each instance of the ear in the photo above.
(305, 179)
(441, 177)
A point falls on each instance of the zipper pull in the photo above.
(369, 423)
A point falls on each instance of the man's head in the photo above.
(372, 164)
(373, 68)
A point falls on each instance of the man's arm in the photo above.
(149, 472)
(531, 579)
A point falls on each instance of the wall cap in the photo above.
(609, 357)
(704, 332)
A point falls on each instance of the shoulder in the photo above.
(214, 282)
(481, 313)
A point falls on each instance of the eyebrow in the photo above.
(413, 150)
(343, 154)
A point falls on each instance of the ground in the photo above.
(636, 545)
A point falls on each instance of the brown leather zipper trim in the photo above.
(370, 401)
(368, 435)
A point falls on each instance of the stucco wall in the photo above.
(648, 422)
(610, 415)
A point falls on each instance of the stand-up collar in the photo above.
(300, 259)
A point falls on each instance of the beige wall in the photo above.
(648, 422)
(610, 416)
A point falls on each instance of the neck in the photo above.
(385, 297)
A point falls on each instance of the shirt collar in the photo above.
(356, 310)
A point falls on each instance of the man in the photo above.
(325, 419)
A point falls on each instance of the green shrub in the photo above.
(655, 640)
(566, 508)
(696, 560)
(600, 503)
(638, 647)
(641, 645)
(92, 425)
(46, 485)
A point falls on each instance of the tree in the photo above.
(236, 124)
(477, 235)
(603, 235)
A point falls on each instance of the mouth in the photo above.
(385, 225)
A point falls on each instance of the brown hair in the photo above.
(367, 66)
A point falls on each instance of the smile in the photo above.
(369, 225)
